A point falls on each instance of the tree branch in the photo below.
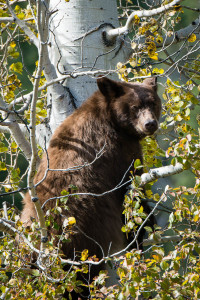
(61, 78)
(113, 33)
(12, 19)
(15, 130)
(161, 172)
(164, 239)
(7, 227)
(7, 19)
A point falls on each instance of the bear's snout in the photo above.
(151, 126)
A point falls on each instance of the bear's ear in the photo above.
(110, 88)
(152, 81)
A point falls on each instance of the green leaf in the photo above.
(137, 164)
(3, 289)
(138, 180)
(156, 236)
(17, 67)
(164, 265)
(15, 173)
(197, 248)
(148, 229)
(2, 166)
(64, 193)
(3, 148)
(165, 284)
(36, 272)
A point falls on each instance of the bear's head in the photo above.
(134, 107)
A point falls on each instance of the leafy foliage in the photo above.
(169, 265)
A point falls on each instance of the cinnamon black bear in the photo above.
(115, 118)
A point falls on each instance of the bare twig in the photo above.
(128, 246)
(162, 240)
(60, 79)
(32, 127)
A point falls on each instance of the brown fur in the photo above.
(115, 116)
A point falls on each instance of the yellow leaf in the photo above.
(21, 15)
(154, 56)
(136, 19)
(84, 255)
(18, 224)
(156, 257)
(17, 8)
(141, 209)
(185, 282)
(159, 39)
(158, 71)
(192, 38)
(13, 44)
(151, 47)
(71, 221)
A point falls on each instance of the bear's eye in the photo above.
(151, 104)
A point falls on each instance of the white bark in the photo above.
(13, 127)
(76, 44)
(161, 172)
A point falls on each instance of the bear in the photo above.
(92, 150)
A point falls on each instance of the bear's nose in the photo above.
(151, 125)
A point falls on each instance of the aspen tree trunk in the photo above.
(77, 45)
